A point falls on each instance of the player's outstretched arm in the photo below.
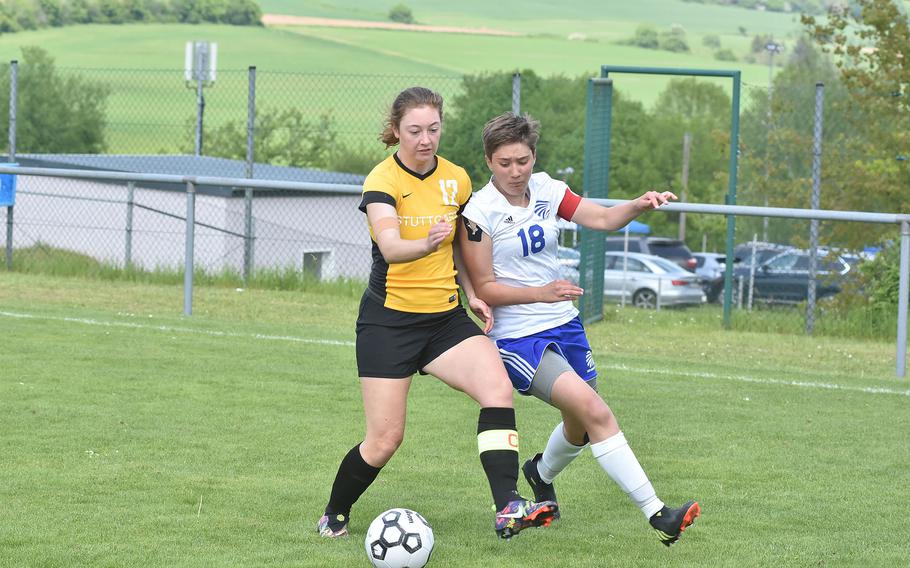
(593, 216)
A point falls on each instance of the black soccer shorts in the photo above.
(394, 344)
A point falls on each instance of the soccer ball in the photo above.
(399, 538)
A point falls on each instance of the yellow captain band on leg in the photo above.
(490, 440)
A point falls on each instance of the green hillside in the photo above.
(594, 17)
(352, 73)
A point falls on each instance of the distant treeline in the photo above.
(18, 15)
(799, 6)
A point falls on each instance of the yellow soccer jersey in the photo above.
(425, 285)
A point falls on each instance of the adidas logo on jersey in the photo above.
(509, 220)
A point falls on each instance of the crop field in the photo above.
(136, 437)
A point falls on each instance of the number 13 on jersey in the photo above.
(449, 188)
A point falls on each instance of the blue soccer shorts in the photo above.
(522, 355)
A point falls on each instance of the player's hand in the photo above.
(483, 312)
(654, 199)
(437, 234)
(560, 291)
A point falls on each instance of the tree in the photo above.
(283, 137)
(869, 47)
(56, 114)
(401, 13)
(645, 36)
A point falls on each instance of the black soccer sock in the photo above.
(353, 477)
(497, 442)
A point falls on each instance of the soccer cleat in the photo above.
(670, 523)
(542, 491)
(521, 514)
(334, 527)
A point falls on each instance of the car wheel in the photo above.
(645, 299)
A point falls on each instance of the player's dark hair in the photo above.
(407, 99)
(510, 128)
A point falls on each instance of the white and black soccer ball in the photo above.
(399, 538)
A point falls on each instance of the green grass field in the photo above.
(135, 437)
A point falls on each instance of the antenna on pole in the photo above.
(199, 63)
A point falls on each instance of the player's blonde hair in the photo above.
(407, 99)
(510, 128)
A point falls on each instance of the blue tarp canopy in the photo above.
(636, 227)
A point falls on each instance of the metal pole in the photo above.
(751, 276)
(248, 192)
(516, 93)
(130, 194)
(190, 247)
(687, 141)
(816, 199)
(200, 97)
(731, 197)
(625, 265)
(13, 95)
(903, 299)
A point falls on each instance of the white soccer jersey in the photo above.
(525, 240)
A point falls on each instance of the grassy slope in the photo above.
(150, 112)
(212, 440)
(540, 16)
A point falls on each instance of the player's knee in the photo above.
(499, 393)
(598, 414)
(386, 444)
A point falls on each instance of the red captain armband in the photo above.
(568, 205)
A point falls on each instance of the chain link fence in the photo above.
(308, 128)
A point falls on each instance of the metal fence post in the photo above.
(684, 185)
(248, 192)
(516, 93)
(130, 196)
(816, 198)
(190, 247)
(13, 90)
(903, 299)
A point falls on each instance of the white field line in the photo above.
(625, 368)
(747, 379)
(172, 329)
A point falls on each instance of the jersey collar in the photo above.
(421, 177)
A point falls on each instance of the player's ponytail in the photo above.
(407, 99)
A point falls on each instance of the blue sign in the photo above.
(7, 188)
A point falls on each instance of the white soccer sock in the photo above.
(616, 458)
(558, 454)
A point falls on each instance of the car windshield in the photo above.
(675, 249)
(668, 266)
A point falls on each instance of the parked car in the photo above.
(710, 267)
(569, 260)
(784, 278)
(671, 249)
(764, 251)
(646, 279)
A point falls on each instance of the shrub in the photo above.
(402, 14)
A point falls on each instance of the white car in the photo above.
(649, 281)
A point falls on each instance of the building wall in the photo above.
(91, 218)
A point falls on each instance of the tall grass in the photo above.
(43, 259)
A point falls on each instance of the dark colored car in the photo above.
(784, 278)
(672, 249)
(764, 251)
